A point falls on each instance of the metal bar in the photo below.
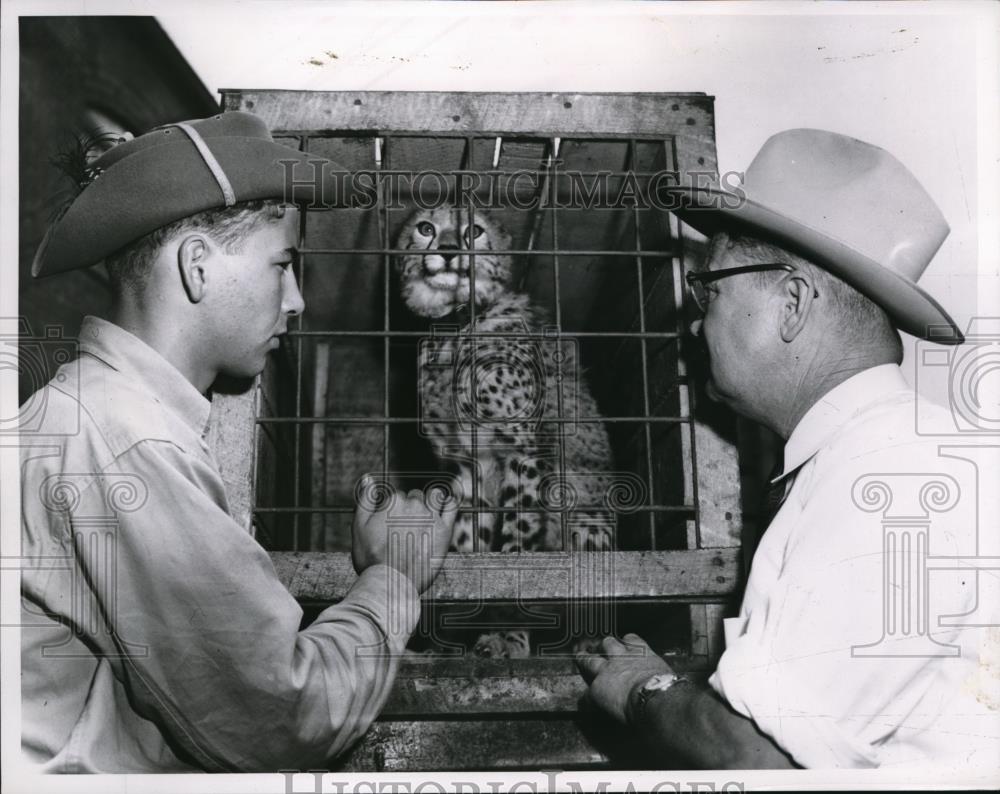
(399, 420)
(552, 178)
(536, 224)
(383, 233)
(491, 334)
(662, 254)
(467, 241)
(280, 444)
(483, 509)
(644, 352)
(297, 462)
(385, 173)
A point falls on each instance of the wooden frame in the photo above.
(527, 704)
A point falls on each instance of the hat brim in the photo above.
(161, 184)
(709, 210)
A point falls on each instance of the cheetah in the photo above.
(490, 400)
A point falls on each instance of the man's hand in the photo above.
(414, 542)
(616, 674)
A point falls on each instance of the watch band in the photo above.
(655, 684)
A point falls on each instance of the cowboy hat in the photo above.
(850, 207)
(171, 172)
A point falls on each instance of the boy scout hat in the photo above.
(846, 205)
(170, 173)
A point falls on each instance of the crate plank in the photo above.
(463, 666)
(415, 697)
(719, 492)
(688, 118)
(545, 576)
(231, 440)
(449, 745)
(469, 686)
(706, 631)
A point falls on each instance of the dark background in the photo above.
(77, 73)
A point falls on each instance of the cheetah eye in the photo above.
(477, 232)
(426, 228)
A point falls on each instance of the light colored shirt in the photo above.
(157, 636)
(855, 645)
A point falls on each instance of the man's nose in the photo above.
(292, 302)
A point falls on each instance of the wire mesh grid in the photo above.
(294, 439)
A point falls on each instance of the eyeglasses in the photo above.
(698, 282)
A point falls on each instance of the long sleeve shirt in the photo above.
(156, 635)
(866, 636)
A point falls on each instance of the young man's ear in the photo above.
(797, 295)
(192, 254)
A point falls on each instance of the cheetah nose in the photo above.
(445, 250)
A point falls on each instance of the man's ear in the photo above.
(798, 295)
(192, 255)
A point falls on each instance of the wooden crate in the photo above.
(479, 714)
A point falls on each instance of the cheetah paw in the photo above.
(503, 645)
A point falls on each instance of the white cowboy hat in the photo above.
(846, 205)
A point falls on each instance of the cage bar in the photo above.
(698, 580)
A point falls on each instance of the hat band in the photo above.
(210, 161)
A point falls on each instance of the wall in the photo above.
(124, 69)
(900, 75)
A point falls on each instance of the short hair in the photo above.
(129, 267)
(859, 315)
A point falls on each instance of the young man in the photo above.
(847, 652)
(156, 635)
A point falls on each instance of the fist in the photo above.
(410, 533)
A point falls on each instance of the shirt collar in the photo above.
(835, 408)
(129, 355)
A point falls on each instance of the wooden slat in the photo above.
(686, 117)
(720, 509)
(706, 631)
(471, 744)
(544, 576)
(714, 614)
(459, 666)
(469, 686)
(417, 697)
(230, 438)
(319, 534)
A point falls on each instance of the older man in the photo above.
(156, 635)
(839, 656)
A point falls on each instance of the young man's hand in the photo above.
(416, 539)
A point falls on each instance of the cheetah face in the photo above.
(437, 284)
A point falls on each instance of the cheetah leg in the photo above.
(462, 534)
(524, 527)
(520, 530)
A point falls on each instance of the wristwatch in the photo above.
(657, 683)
